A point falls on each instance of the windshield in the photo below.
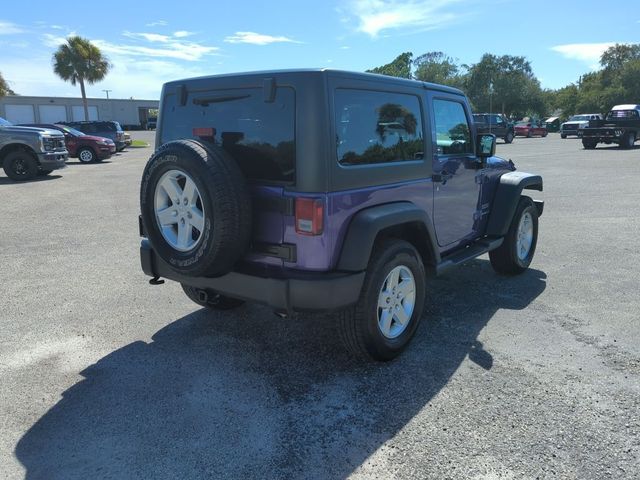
(577, 118)
(72, 131)
(4, 123)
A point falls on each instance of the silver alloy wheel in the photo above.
(179, 210)
(524, 238)
(86, 156)
(396, 301)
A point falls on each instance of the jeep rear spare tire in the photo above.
(195, 208)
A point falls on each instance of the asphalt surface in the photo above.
(105, 376)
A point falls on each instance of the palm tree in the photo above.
(4, 87)
(79, 61)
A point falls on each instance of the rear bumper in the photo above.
(53, 161)
(305, 292)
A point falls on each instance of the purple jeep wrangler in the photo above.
(321, 190)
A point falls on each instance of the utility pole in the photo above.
(107, 92)
(490, 102)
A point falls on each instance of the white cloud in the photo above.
(588, 53)
(54, 41)
(257, 38)
(168, 48)
(375, 16)
(178, 50)
(8, 28)
(150, 37)
(183, 33)
(158, 23)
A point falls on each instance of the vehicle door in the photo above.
(455, 170)
(499, 126)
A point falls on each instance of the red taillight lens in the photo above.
(309, 216)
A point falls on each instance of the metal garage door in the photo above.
(52, 113)
(78, 113)
(19, 113)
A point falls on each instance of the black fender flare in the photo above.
(369, 222)
(507, 197)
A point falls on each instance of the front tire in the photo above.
(589, 144)
(563, 135)
(86, 155)
(389, 309)
(508, 138)
(214, 301)
(20, 166)
(516, 252)
(628, 140)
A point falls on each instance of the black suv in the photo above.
(496, 124)
(329, 191)
(102, 128)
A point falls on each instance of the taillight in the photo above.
(309, 216)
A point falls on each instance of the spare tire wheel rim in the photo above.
(396, 301)
(179, 210)
(524, 236)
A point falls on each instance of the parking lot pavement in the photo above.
(105, 376)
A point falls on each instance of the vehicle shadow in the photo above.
(244, 395)
(39, 178)
(78, 162)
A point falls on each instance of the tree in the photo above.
(79, 61)
(437, 67)
(399, 67)
(507, 82)
(4, 87)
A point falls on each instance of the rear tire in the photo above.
(195, 208)
(589, 144)
(20, 166)
(389, 309)
(214, 301)
(516, 252)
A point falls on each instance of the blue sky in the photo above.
(149, 43)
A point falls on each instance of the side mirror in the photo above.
(486, 145)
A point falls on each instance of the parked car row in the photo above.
(29, 150)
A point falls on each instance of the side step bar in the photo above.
(469, 253)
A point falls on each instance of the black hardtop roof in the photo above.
(327, 71)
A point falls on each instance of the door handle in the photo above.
(441, 177)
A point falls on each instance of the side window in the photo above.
(497, 119)
(377, 127)
(453, 135)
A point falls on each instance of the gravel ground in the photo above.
(104, 376)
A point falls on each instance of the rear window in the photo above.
(259, 135)
(623, 114)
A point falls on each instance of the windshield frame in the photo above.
(5, 123)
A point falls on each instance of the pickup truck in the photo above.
(621, 125)
(26, 152)
(496, 124)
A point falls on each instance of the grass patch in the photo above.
(139, 144)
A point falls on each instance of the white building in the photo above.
(22, 109)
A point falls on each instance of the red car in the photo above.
(530, 129)
(85, 148)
